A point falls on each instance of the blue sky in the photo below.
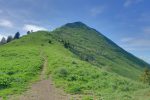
(126, 22)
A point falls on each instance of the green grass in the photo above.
(79, 77)
(18, 66)
(21, 62)
(92, 46)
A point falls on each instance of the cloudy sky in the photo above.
(126, 22)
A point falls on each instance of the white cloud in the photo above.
(126, 39)
(128, 3)
(97, 10)
(138, 42)
(138, 46)
(29, 27)
(6, 23)
(135, 44)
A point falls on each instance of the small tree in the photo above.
(66, 44)
(49, 41)
(17, 35)
(9, 38)
(28, 32)
(3, 41)
(145, 77)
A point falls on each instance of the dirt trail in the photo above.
(44, 89)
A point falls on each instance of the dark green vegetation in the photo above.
(9, 38)
(95, 48)
(145, 77)
(80, 61)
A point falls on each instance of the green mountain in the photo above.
(97, 49)
(80, 61)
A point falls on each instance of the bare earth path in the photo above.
(44, 89)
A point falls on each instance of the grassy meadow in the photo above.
(18, 67)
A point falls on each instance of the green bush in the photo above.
(5, 81)
(75, 89)
(62, 72)
(72, 77)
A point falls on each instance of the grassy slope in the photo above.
(79, 77)
(20, 63)
(98, 50)
(22, 59)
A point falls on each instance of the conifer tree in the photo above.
(17, 35)
(9, 38)
(3, 41)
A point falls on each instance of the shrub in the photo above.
(4, 81)
(124, 88)
(73, 62)
(62, 72)
(72, 78)
(49, 41)
(42, 44)
(145, 77)
(75, 89)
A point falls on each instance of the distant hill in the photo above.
(94, 47)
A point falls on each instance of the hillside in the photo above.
(80, 61)
(97, 49)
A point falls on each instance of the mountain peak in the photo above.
(75, 24)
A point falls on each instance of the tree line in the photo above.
(11, 38)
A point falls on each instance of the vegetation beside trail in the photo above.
(18, 66)
(79, 77)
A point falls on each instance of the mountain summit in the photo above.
(94, 47)
(75, 24)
